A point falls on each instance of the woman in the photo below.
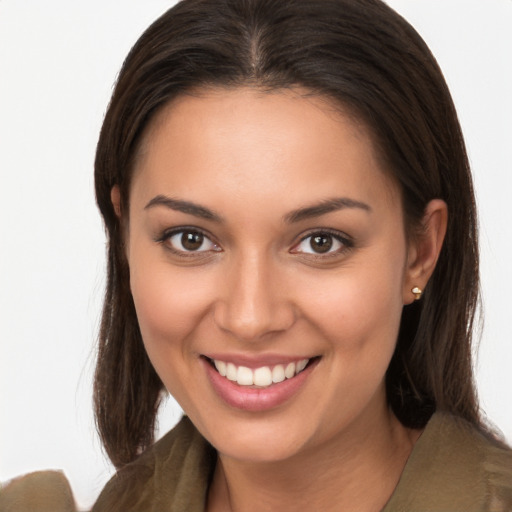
(293, 256)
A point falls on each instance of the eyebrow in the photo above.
(326, 206)
(184, 207)
(315, 210)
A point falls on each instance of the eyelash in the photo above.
(165, 238)
(345, 242)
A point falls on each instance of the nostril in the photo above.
(252, 321)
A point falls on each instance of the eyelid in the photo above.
(340, 236)
(170, 232)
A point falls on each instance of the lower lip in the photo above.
(256, 399)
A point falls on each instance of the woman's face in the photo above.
(263, 236)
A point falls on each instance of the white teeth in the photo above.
(221, 367)
(301, 365)
(278, 373)
(244, 376)
(289, 371)
(261, 377)
(231, 371)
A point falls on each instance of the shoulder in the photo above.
(44, 491)
(455, 467)
(171, 475)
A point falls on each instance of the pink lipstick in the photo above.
(278, 383)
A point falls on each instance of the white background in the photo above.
(58, 62)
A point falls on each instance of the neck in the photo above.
(360, 465)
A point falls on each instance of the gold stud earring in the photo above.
(418, 292)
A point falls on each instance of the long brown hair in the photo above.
(369, 60)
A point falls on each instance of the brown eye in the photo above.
(189, 241)
(321, 243)
(192, 241)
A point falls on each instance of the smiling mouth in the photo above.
(262, 377)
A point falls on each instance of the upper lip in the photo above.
(256, 361)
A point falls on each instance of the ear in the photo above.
(424, 248)
(115, 197)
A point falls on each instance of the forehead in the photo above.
(270, 144)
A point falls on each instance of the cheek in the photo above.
(169, 308)
(358, 305)
(168, 302)
(358, 314)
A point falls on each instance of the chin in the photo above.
(259, 439)
(255, 449)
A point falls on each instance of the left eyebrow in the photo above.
(326, 206)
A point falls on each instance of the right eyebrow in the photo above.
(188, 207)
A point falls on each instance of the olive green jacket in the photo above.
(452, 468)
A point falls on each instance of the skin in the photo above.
(257, 287)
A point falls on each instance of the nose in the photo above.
(254, 302)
